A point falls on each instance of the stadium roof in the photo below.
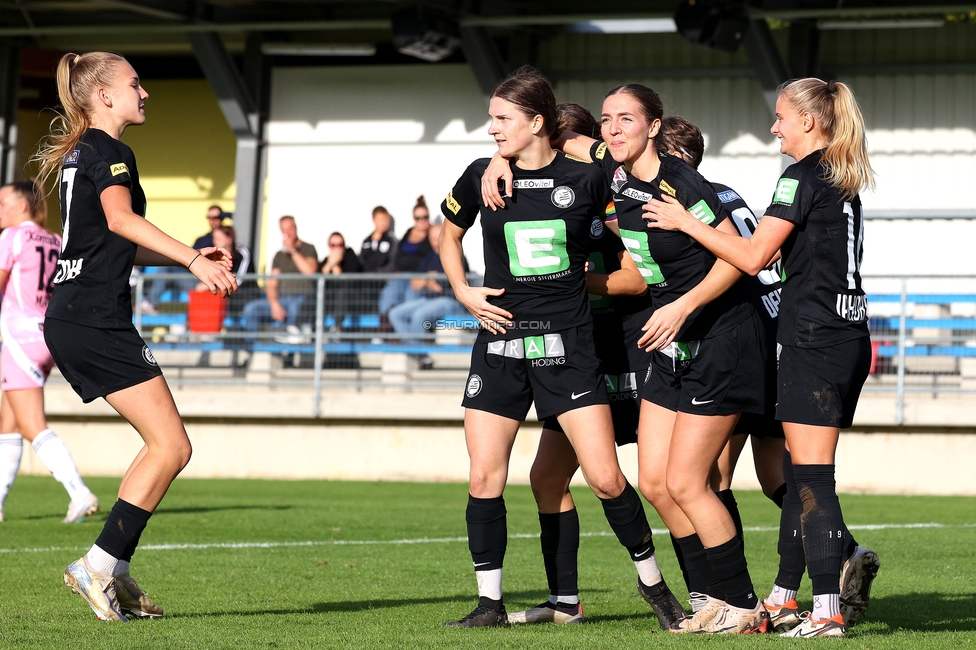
(157, 24)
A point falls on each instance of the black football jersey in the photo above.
(823, 302)
(616, 338)
(766, 287)
(91, 286)
(536, 248)
(672, 263)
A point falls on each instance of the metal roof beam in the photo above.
(862, 12)
(483, 57)
(236, 102)
(768, 63)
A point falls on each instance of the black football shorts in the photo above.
(98, 362)
(557, 370)
(720, 375)
(820, 386)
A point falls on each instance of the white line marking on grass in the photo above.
(422, 540)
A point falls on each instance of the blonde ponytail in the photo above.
(837, 112)
(78, 75)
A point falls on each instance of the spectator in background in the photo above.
(215, 217)
(340, 296)
(225, 237)
(283, 298)
(379, 248)
(427, 299)
(412, 249)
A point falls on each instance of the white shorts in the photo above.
(25, 361)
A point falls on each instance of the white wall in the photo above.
(343, 140)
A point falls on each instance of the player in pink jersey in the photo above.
(28, 261)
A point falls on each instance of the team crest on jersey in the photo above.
(563, 196)
(667, 188)
(148, 357)
(474, 386)
(596, 228)
(119, 168)
(619, 179)
(71, 158)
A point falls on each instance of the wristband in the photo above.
(192, 261)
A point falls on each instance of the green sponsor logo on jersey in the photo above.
(536, 247)
(702, 212)
(786, 191)
(640, 252)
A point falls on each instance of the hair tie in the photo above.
(75, 60)
(832, 87)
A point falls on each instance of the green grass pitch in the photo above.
(315, 564)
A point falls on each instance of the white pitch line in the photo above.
(422, 540)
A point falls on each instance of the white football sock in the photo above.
(565, 600)
(648, 570)
(780, 596)
(11, 449)
(825, 606)
(55, 455)
(101, 561)
(490, 583)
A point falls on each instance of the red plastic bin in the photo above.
(205, 312)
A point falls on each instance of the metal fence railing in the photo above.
(923, 333)
(349, 330)
(406, 331)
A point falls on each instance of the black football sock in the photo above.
(728, 562)
(487, 532)
(560, 550)
(792, 561)
(122, 530)
(679, 554)
(625, 514)
(700, 576)
(728, 500)
(778, 495)
(823, 526)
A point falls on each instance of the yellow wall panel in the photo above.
(185, 152)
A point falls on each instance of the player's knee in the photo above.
(681, 490)
(653, 489)
(608, 485)
(185, 453)
(486, 484)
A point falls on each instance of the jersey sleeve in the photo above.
(700, 199)
(108, 165)
(463, 202)
(7, 250)
(600, 155)
(793, 198)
